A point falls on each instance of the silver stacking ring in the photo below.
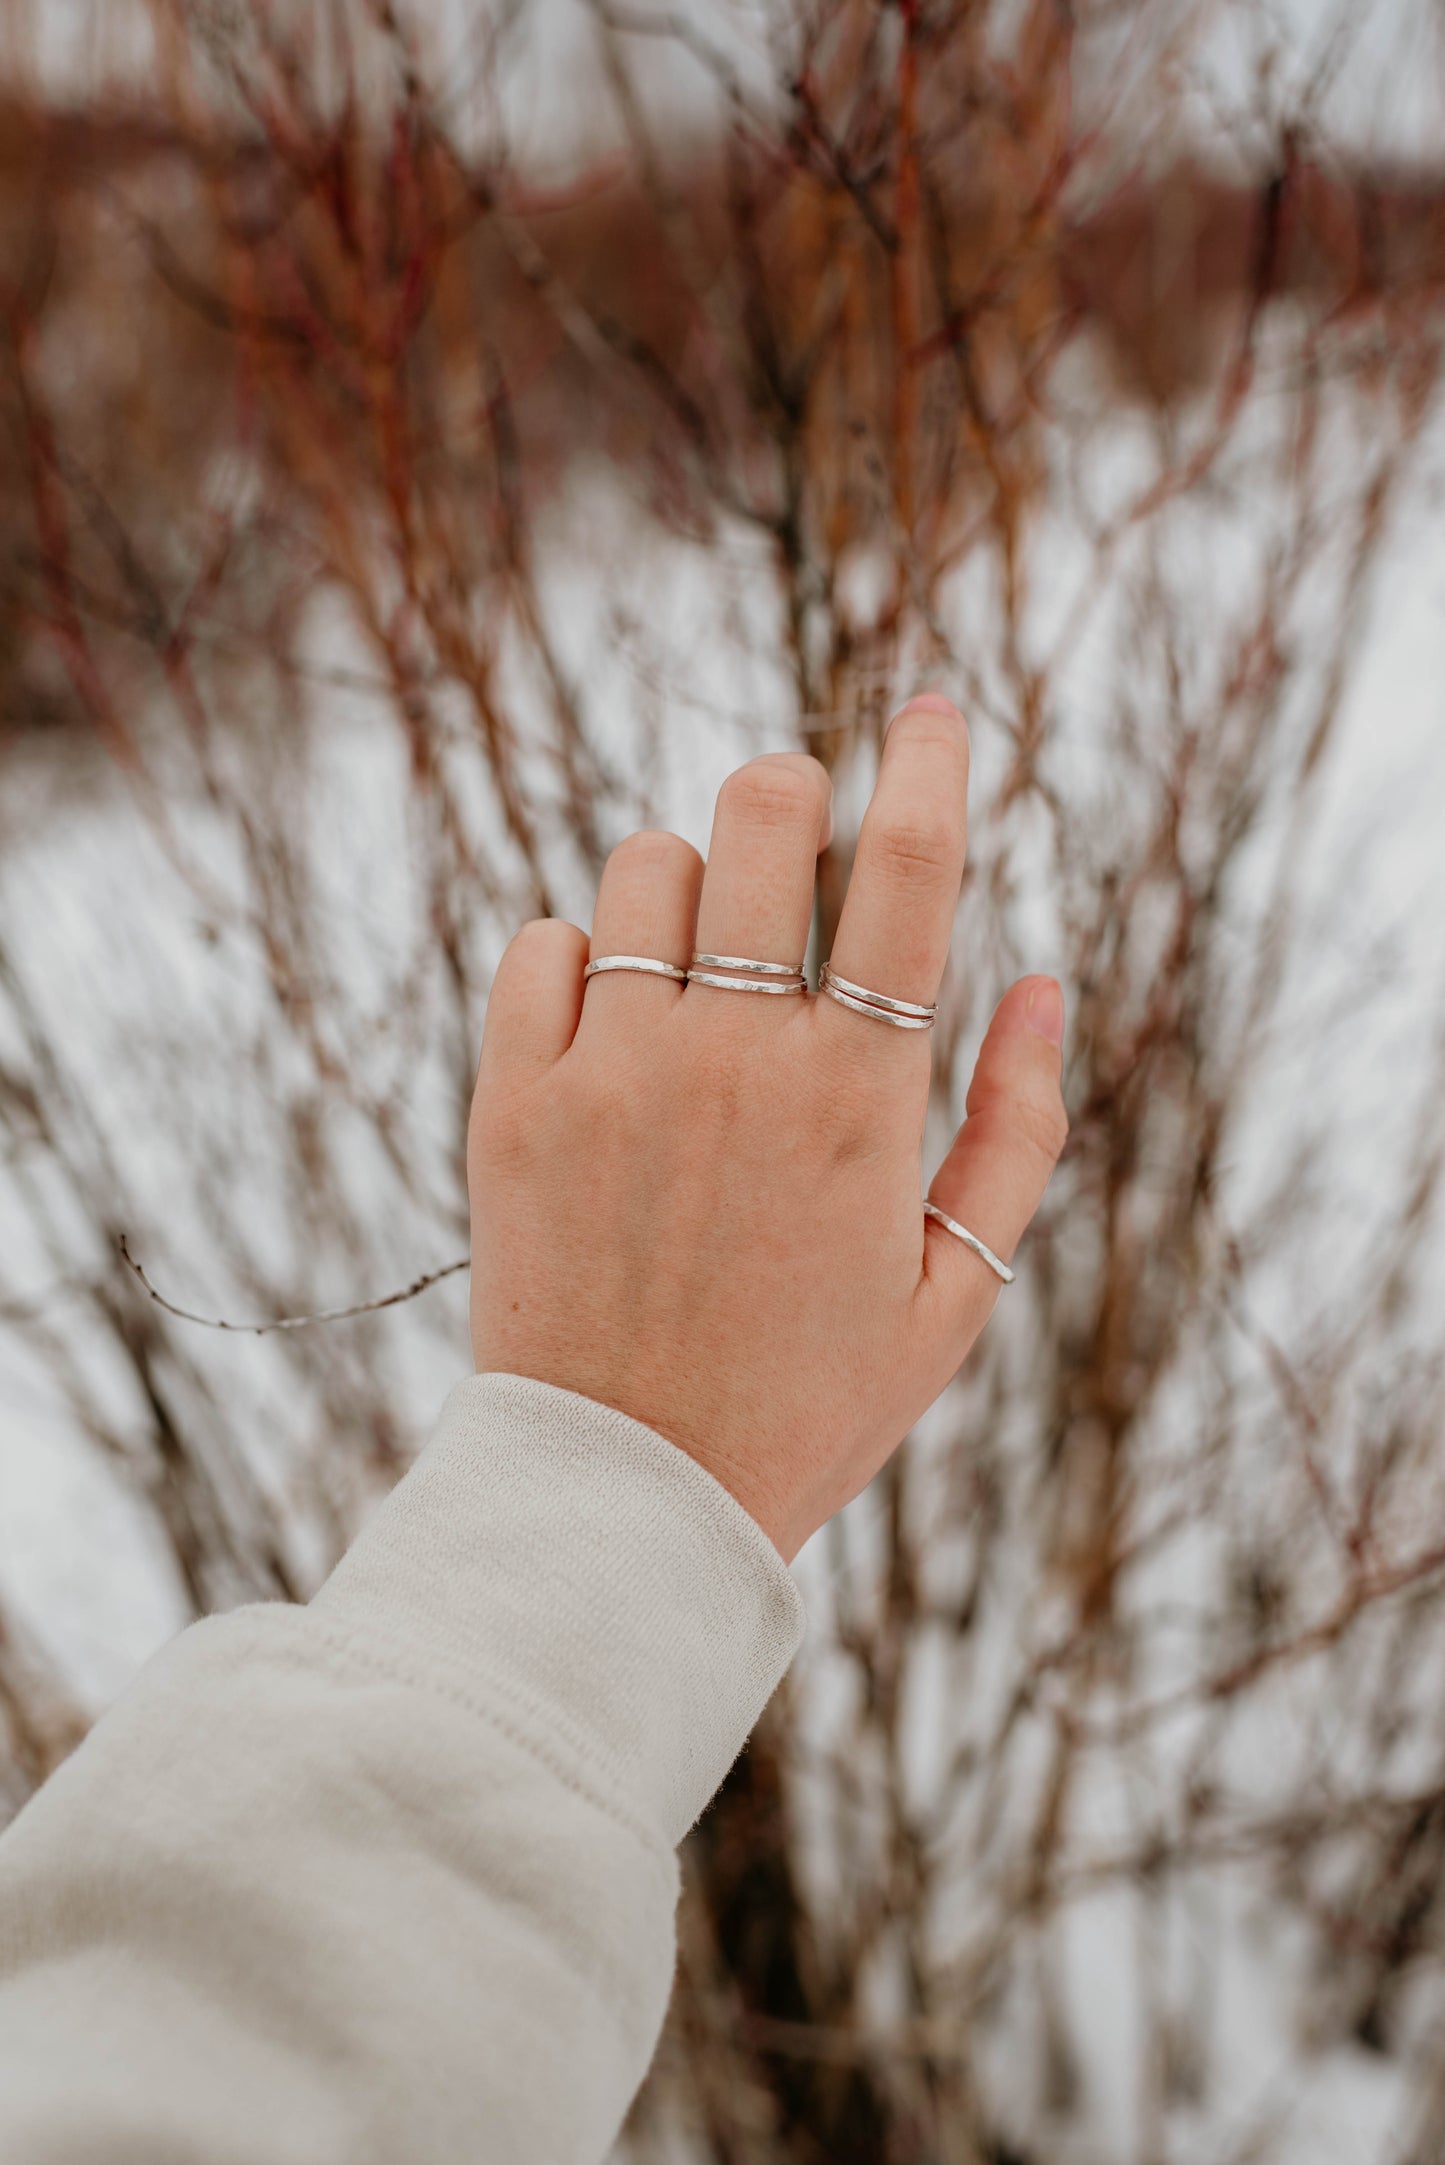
(970, 1240)
(903, 1014)
(779, 977)
(644, 963)
(742, 962)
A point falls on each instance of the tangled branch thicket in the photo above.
(393, 513)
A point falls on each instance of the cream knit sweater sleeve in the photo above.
(391, 1877)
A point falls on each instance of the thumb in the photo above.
(994, 1176)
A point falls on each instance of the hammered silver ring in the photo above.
(877, 1006)
(646, 965)
(980, 1248)
(745, 962)
(744, 984)
(778, 977)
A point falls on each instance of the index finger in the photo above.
(897, 918)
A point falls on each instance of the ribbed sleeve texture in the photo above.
(391, 1877)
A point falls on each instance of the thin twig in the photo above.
(294, 1323)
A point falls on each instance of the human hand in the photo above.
(702, 1208)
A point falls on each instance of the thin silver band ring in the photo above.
(830, 978)
(743, 962)
(875, 1014)
(970, 1240)
(643, 963)
(743, 984)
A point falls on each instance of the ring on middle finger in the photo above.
(752, 975)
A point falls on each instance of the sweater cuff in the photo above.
(593, 1583)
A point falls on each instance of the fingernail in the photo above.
(929, 703)
(1045, 1010)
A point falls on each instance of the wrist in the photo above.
(564, 1560)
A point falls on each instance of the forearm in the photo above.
(393, 1875)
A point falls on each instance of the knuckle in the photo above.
(622, 1105)
(853, 1123)
(931, 731)
(852, 1100)
(782, 790)
(925, 849)
(1043, 1126)
(1036, 1127)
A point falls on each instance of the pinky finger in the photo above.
(536, 997)
(994, 1177)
